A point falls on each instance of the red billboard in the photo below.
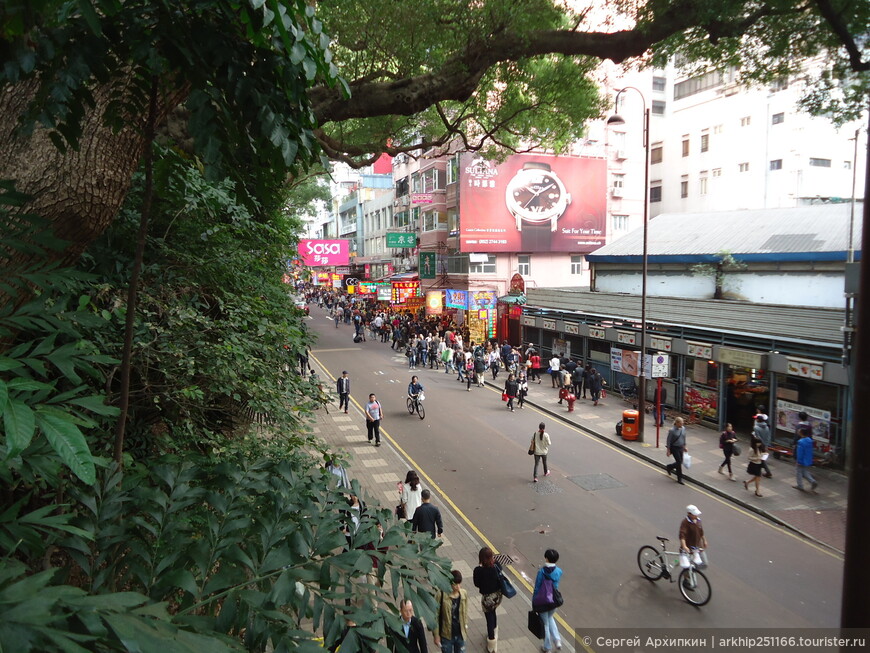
(532, 203)
(324, 252)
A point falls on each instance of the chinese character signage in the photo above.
(324, 252)
(532, 203)
(456, 298)
(421, 198)
(427, 265)
(401, 239)
(404, 290)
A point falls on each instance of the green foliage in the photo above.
(48, 363)
(723, 265)
(243, 76)
(216, 330)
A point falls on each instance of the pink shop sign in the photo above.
(324, 252)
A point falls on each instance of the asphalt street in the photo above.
(599, 505)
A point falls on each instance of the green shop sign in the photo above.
(401, 239)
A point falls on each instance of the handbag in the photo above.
(735, 449)
(507, 588)
(532, 446)
(687, 461)
(504, 396)
(536, 626)
(400, 511)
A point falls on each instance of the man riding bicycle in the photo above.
(414, 388)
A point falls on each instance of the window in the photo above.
(658, 83)
(685, 146)
(717, 129)
(416, 183)
(776, 164)
(453, 169)
(457, 264)
(655, 194)
(702, 186)
(577, 263)
(434, 220)
(779, 85)
(618, 184)
(658, 107)
(524, 264)
(745, 121)
(487, 267)
(402, 187)
(452, 222)
(402, 219)
(847, 165)
(684, 188)
(697, 84)
(743, 167)
(777, 118)
(705, 142)
(620, 222)
(717, 172)
(820, 163)
(655, 154)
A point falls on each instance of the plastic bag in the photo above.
(687, 461)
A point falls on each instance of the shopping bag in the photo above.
(536, 626)
(687, 461)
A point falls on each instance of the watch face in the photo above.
(536, 195)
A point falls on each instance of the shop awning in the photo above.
(519, 300)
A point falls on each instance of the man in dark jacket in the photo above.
(342, 387)
(427, 518)
(412, 633)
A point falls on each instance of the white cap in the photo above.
(693, 510)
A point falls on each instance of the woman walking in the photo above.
(511, 388)
(450, 625)
(546, 587)
(726, 443)
(676, 447)
(757, 455)
(411, 495)
(523, 386)
(487, 581)
(541, 441)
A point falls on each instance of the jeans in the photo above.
(803, 472)
(343, 399)
(453, 645)
(539, 458)
(551, 633)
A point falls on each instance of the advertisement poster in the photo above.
(456, 298)
(482, 300)
(787, 419)
(477, 330)
(324, 252)
(532, 203)
(625, 361)
(427, 265)
(433, 302)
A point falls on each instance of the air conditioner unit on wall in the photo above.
(616, 192)
(620, 154)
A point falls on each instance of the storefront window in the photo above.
(745, 391)
(599, 357)
(701, 390)
(820, 400)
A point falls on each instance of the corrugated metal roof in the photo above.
(819, 232)
(803, 324)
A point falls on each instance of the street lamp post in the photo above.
(616, 119)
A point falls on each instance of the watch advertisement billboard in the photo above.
(324, 252)
(532, 203)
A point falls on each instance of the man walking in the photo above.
(374, 414)
(804, 460)
(676, 446)
(412, 633)
(427, 518)
(342, 386)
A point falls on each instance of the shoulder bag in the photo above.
(532, 446)
(507, 588)
(735, 449)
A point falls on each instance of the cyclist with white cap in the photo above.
(691, 532)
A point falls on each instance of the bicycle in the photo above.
(416, 404)
(692, 582)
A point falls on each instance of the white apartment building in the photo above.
(717, 145)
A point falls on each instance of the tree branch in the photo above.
(839, 28)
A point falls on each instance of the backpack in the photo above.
(547, 597)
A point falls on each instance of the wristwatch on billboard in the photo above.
(537, 198)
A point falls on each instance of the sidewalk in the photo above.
(378, 469)
(820, 516)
